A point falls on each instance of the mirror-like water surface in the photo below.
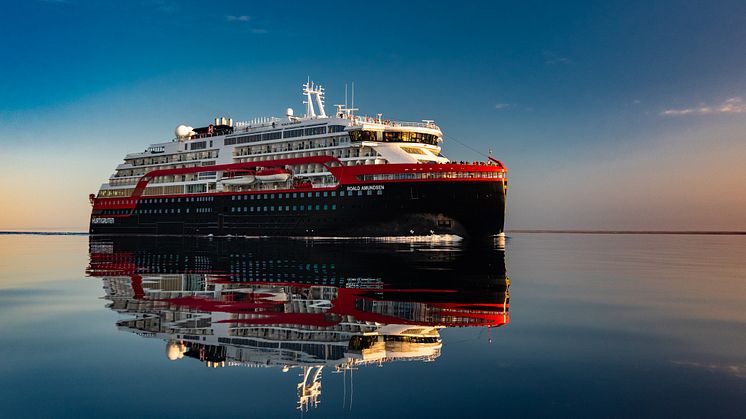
(549, 325)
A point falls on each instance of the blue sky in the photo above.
(602, 110)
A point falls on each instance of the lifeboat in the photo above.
(237, 178)
(273, 174)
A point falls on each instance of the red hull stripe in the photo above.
(345, 175)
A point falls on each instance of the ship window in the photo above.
(276, 135)
(326, 207)
(292, 133)
(363, 135)
(334, 193)
(264, 209)
(369, 192)
(410, 137)
(318, 194)
(302, 194)
(295, 194)
(316, 131)
(359, 193)
(379, 192)
(341, 193)
(287, 207)
(279, 208)
(334, 207)
(336, 128)
(318, 207)
(265, 196)
(413, 150)
(199, 145)
(302, 207)
(272, 196)
(295, 208)
(251, 209)
(326, 194)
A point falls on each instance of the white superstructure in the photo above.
(353, 139)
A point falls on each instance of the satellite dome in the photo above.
(183, 131)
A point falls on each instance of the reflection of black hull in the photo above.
(462, 208)
(344, 264)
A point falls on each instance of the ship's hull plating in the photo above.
(464, 208)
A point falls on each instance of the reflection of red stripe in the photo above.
(453, 314)
(137, 287)
(346, 299)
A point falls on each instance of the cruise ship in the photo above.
(297, 305)
(343, 175)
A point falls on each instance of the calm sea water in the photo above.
(551, 325)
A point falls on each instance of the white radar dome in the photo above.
(289, 112)
(183, 131)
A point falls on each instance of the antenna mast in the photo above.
(314, 92)
(310, 113)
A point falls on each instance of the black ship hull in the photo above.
(464, 208)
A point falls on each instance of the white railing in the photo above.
(381, 121)
(248, 126)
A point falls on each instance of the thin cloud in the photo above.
(241, 18)
(734, 105)
(732, 369)
(502, 105)
(259, 31)
(553, 59)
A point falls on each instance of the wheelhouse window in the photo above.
(410, 137)
(363, 135)
(394, 137)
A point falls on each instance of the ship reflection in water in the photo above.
(298, 305)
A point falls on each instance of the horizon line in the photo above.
(684, 232)
(528, 231)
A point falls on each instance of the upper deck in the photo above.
(349, 138)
